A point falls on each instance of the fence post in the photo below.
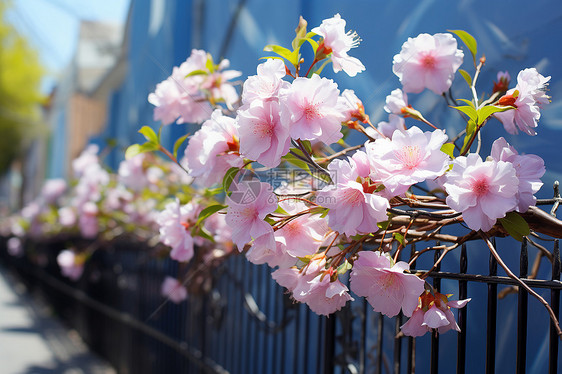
(461, 338)
(522, 312)
(491, 316)
(434, 363)
(555, 303)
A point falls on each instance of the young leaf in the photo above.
(291, 56)
(343, 268)
(399, 237)
(448, 149)
(468, 40)
(178, 144)
(137, 149)
(488, 110)
(468, 102)
(197, 72)
(208, 211)
(470, 129)
(229, 177)
(468, 110)
(515, 225)
(466, 77)
(149, 134)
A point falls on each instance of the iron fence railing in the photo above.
(244, 322)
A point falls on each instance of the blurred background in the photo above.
(78, 72)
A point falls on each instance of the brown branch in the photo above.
(523, 284)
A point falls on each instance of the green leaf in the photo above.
(470, 129)
(137, 149)
(448, 149)
(229, 177)
(291, 56)
(470, 103)
(149, 134)
(399, 237)
(197, 72)
(294, 160)
(383, 225)
(343, 268)
(204, 234)
(280, 210)
(210, 65)
(515, 225)
(466, 77)
(178, 144)
(307, 146)
(208, 211)
(468, 110)
(468, 40)
(488, 110)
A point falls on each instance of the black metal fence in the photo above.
(245, 323)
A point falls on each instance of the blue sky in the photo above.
(51, 27)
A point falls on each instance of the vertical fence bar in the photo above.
(397, 344)
(411, 363)
(555, 304)
(434, 363)
(491, 316)
(461, 338)
(330, 344)
(522, 312)
(380, 342)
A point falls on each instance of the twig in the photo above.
(523, 284)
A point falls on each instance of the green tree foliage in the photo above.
(20, 96)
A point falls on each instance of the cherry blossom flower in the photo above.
(88, 220)
(322, 295)
(301, 236)
(353, 206)
(53, 189)
(433, 312)
(71, 264)
(350, 105)
(14, 247)
(428, 61)
(67, 216)
(173, 290)
(338, 42)
(524, 117)
(247, 209)
(532, 82)
(309, 109)
(482, 191)
(528, 168)
(410, 157)
(396, 101)
(385, 285)
(89, 156)
(502, 84)
(132, 174)
(174, 222)
(266, 84)
(213, 149)
(395, 122)
(262, 136)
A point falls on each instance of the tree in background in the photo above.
(20, 96)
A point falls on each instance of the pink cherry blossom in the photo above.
(88, 220)
(530, 81)
(350, 105)
(528, 168)
(482, 191)
(262, 136)
(354, 208)
(502, 84)
(266, 249)
(71, 265)
(174, 222)
(303, 235)
(67, 216)
(433, 312)
(132, 174)
(53, 189)
(213, 149)
(337, 41)
(309, 109)
(410, 157)
(524, 117)
(89, 156)
(396, 101)
(173, 290)
(322, 295)
(385, 285)
(428, 61)
(14, 247)
(266, 84)
(395, 122)
(247, 209)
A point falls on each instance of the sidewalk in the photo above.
(32, 342)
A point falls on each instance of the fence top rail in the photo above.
(495, 279)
